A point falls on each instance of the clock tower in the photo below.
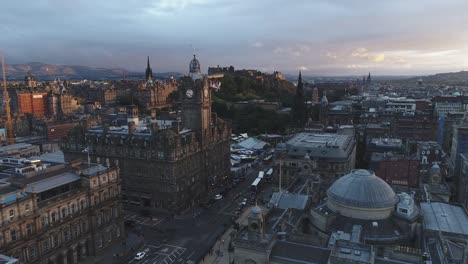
(195, 104)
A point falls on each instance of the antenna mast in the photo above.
(7, 104)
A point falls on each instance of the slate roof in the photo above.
(362, 188)
(51, 182)
(288, 200)
(291, 252)
(445, 218)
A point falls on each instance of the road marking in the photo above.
(193, 252)
(146, 261)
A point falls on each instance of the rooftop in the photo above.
(363, 189)
(51, 182)
(291, 252)
(288, 200)
(320, 145)
(443, 217)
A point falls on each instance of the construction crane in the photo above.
(9, 124)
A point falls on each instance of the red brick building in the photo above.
(402, 172)
(59, 131)
(33, 103)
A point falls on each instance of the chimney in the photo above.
(153, 113)
(154, 127)
(176, 126)
(131, 128)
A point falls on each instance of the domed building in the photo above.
(362, 195)
(364, 205)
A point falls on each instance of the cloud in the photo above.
(331, 55)
(360, 53)
(257, 44)
(364, 54)
(357, 66)
(377, 57)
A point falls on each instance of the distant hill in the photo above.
(44, 71)
(454, 78)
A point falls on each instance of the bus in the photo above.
(260, 175)
(254, 188)
(269, 175)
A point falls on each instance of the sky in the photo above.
(318, 37)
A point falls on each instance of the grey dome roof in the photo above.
(256, 210)
(361, 188)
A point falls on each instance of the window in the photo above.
(98, 219)
(402, 210)
(83, 227)
(94, 183)
(75, 231)
(13, 234)
(45, 245)
(43, 221)
(32, 252)
(55, 240)
(66, 235)
(73, 208)
(117, 232)
(26, 208)
(64, 212)
(12, 214)
(54, 217)
(30, 229)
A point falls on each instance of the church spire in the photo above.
(149, 71)
(300, 85)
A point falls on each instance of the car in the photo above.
(218, 197)
(244, 202)
(140, 255)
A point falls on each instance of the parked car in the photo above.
(218, 197)
(140, 255)
(244, 202)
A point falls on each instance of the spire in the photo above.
(300, 85)
(149, 72)
(368, 78)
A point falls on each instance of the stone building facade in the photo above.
(60, 214)
(168, 169)
(155, 94)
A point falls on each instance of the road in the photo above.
(189, 239)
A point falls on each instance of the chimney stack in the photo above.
(131, 128)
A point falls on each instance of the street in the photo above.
(187, 239)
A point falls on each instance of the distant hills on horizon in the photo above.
(44, 71)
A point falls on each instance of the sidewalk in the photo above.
(220, 251)
(112, 253)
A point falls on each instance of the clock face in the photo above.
(189, 93)
(206, 92)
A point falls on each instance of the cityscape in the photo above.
(347, 145)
